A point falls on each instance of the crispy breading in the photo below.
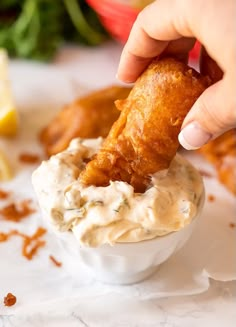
(144, 139)
(221, 152)
(88, 117)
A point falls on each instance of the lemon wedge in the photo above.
(5, 168)
(8, 113)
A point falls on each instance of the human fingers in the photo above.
(169, 20)
(178, 48)
(214, 111)
(209, 67)
(211, 115)
(150, 36)
(212, 22)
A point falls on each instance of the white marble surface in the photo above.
(215, 307)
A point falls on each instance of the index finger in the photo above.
(155, 27)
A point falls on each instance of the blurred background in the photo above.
(35, 29)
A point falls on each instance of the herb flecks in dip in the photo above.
(106, 215)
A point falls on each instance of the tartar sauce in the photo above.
(106, 215)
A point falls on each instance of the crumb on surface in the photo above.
(4, 195)
(211, 198)
(9, 300)
(30, 245)
(16, 211)
(29, 158)
(55, 262)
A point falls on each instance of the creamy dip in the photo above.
(106, 215)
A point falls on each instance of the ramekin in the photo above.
(124, 263)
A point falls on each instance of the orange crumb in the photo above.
(30, 245)
(29, 158)
(56, 263)
(211, 198)
(232, 225)
(4, 195)
(5, 236)
(16, 211)
(9, 300)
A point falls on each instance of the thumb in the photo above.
(212, 114)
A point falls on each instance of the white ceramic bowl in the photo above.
(125, 263)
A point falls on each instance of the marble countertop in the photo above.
(215, 307)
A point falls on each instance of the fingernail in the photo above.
(125, 80)
(193, 136)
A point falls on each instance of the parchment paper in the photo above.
(40, 91)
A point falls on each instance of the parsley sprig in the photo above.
(37, 28)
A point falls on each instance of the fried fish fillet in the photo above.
(221, 152)
(144, 139)
(88, 117)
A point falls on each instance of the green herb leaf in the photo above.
(36, 28)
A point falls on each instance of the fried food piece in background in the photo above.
(88, 117)
(221, 152)
(144, 139)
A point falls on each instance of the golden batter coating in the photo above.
(144, 139)
(88, 117)
(221, 152)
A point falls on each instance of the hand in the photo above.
(170, 27)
